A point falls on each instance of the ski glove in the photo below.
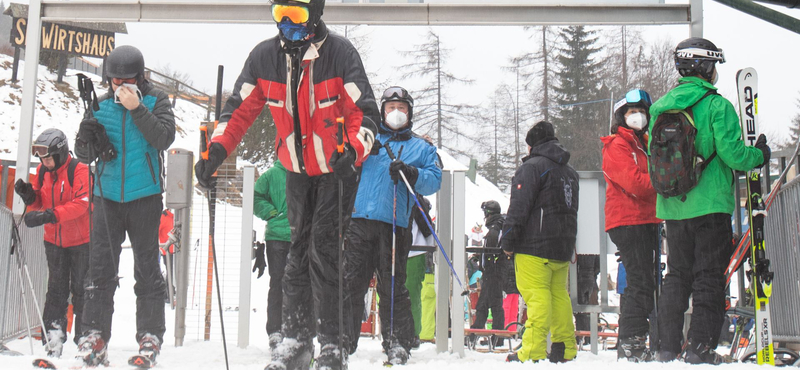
(411, 172)
(761, 144)
(38, 218)
(260, 263)
(92, 142)
(25, 191)
(205, 168)
(343, 164)
(376, 148)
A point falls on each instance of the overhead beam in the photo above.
(371, 14)
(766, 14)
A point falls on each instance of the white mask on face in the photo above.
(132, 87)
(636, 121)
(396, 119)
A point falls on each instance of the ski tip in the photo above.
(43, 364)
(387, 364)
(141, 362)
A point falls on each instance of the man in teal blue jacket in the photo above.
(269, 204)
(369, 237)
(129, 133)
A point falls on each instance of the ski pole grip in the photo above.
(204, 142)
(389, 151)
(340, 143)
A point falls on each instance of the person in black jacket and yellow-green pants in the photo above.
(540, 231)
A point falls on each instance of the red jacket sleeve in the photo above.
(621, 167)
(361, 110)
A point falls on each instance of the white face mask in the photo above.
(636, 121)
(396, 119)
(132, 87)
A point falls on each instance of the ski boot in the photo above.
(397, 354)
(513, 357)
(92, 349)
(149, 348)
(292, 354)
(328, 358)
(274, 340)
(54, 344)
(557, 353)
(701, 353)
(634, 349)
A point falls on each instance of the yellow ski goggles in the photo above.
(297, 14)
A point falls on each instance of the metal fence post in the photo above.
(248, 195)
(444, 216)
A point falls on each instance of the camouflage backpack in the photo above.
(675, 165)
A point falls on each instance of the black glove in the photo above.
(761, 144)
(205, 168)
(376, 148)
(37, 218)
(92, 142)
(411, 172)
(260, 263)
(25, 191)
(343, 164)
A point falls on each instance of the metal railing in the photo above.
(18, 313)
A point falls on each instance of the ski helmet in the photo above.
(314, 16)
(697, 56)
(633, 98)
(125, 62)
(397, 93)
(490, 207)
(51, 143)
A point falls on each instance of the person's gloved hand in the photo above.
(92, 139)
(87, 130)
(25, 191)
(376, 148)
(411, 172)
(761, 144)
(260, 263)
(37, 218)
(343, 164)
(205, 168)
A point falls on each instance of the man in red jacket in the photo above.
(59, 200)
(308, 78)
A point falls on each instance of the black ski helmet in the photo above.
(125, 62)
(490, 207)
(315, 9)
(397, 93)
(697, 56)
(56, 143)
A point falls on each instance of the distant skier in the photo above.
(129, 133)
(631, 220)
(59, 200)
(540, 231)
(369, 239)
(491, 296)
(308, 78)
(699, 225)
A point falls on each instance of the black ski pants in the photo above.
(111, 221)
(699, 251)
(368, 252)
(311, 278)
(276, 262)
(637, 246)
(66, 271)
(491, 297)
(588, 266)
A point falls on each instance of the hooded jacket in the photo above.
(630, 197)
(718, 130)
(140, 137)
(70, 204)
(269, 203)
(542, 218)
(328, 81)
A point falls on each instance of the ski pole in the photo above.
(433, 232)
(340, 150)
(14, 241)
(394, 253)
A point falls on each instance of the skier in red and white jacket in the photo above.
(59, 199)
(308, 78)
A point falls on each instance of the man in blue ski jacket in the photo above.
(369, 239)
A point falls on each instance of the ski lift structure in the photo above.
(375, 12)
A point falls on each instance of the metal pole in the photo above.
(248, 191)
(28, 107)
(696, 22)
(182, 274)
(459, 260)
(444, 214)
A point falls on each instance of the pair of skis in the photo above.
(760, 275)
(137, 361)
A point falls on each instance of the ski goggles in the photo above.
(297, 14)
(397, 93)
(697, 53)
(40, 151)
(634, 97)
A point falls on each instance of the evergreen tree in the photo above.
(583, 115)
(497, 138)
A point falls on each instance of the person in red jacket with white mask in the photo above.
(59, 199)
(631, 219)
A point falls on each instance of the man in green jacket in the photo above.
(270, 205)
(699, 226)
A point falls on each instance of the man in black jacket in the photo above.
(492, 279)
(541, 229)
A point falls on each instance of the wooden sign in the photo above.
(66, 39)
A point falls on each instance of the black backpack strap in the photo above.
(40, 171)
(71, 171)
